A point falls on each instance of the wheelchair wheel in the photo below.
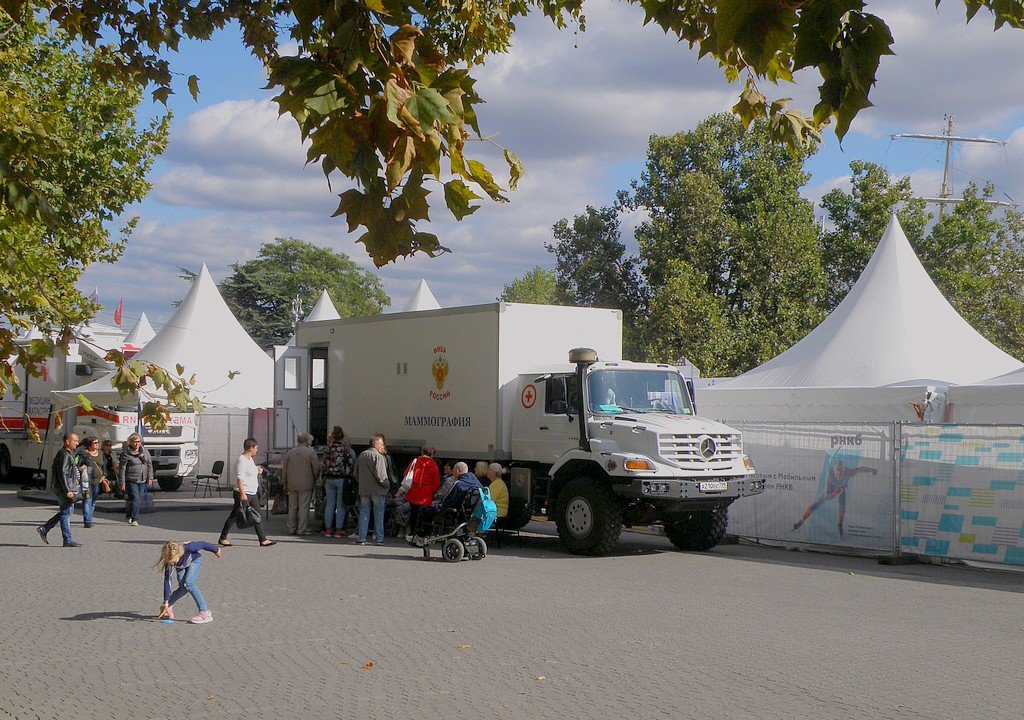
(453, 550)
(476, 547)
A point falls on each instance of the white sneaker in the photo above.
(133, 522)
(202, 618)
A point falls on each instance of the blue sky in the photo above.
(577, 109)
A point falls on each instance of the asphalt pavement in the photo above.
(318, 628)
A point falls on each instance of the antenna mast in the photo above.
(946, 191)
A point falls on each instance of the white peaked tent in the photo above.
(422, 299)
(207, 340)
(141, 333)
(892, 338)
(323, 310)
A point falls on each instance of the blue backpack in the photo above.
(485, 512)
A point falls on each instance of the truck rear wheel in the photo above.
(699, 530)
(589, 518)
(169, 484)
(5, 464)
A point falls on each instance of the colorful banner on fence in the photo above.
(825, 484)
(962, 492)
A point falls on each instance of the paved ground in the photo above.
(741, 632)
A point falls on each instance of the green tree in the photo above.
(859, 218)
(536, 287)
(593, 270)
(974, 253)
(72, 160)
(383, 92)
(725, 213)
(260, 291)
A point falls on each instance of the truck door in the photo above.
(544, 430)
(318, 394)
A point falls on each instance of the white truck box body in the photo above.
(444, 376)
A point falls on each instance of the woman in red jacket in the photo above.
(426, 479)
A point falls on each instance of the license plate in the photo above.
(713, 486)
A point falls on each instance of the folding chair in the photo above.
(207, 481)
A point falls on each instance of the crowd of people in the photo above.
(83, 472)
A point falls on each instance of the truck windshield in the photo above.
(642, 391)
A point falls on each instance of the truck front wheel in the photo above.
(169, 484)
(589, 517)
(698, 530)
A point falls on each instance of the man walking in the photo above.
(298, 474)
(66, 484)
(372, 476)
(136, 472)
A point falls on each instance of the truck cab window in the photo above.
(562, 395)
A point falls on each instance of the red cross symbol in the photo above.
(529, 396)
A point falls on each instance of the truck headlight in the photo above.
(747, 464)
(191, 454)
(638, 465)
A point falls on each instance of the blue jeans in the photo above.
(378, 517)
(334, 504)
(63, 516)
(187, 578)
(89, 504)
(136, 492)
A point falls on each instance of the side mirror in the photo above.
(560, 407)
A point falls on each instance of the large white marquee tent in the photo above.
(891, 340)
(203, 336)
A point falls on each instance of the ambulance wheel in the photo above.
(453, 550)
(169, 484)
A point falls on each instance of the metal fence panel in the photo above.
(827, 484)
(962, 492)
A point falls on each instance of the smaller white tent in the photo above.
(207, 340)
(140, 334)
(422, 299)
(996, 400)
(323, 310)
(891, 338)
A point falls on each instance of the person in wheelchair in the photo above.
(448, 504)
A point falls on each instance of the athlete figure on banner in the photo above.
(836, 484)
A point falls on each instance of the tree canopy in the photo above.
(729, 245)
(72, 160)
(383, 89)
(260, 292)
(536, 287)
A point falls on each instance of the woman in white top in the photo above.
(248, 483)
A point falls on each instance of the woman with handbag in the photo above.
(339, 467)
(88, 459)
(247, 479)
(421, 480)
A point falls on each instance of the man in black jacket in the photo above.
(66, 484)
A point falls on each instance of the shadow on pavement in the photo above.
(126, 615)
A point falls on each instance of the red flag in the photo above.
(119, 312)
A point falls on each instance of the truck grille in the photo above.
(165, 453)
(685, 451)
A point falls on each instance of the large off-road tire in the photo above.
(698, 530)
(5, 464)
(589, 517)
(169, 484)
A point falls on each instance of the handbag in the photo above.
(104, 486)
(261, 494)
(247, 516)
(407, 478)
